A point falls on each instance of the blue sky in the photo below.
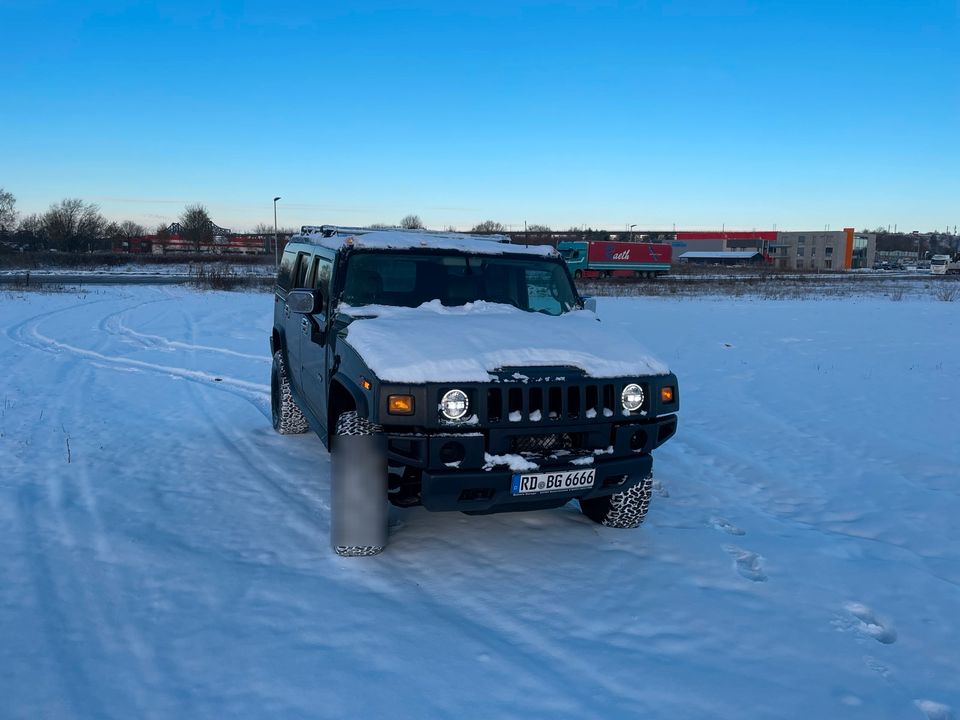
(693, 114)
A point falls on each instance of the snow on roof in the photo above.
(467, 343)
(412, 239)
(732, 254)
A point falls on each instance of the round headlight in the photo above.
(632, 397)
(454, 404)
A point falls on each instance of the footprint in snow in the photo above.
(748, 564)
(934, 710)
(723, 525)
(868, 624)
(660, 489)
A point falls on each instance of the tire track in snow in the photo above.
(114, 324)
(73, 568)
(110, 632)
(104, 593)
(266, 468)
(28, 334)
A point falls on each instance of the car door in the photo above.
(293, 324)
(313, 342)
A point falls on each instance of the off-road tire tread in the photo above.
(358, 550)
(350, 423)
(625, 509)
(291, 419)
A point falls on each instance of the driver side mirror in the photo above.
(305, 302)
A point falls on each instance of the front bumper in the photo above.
(456, 473)
(482, 491)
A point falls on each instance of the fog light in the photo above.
(454, 404)
(666, 394)
(400, 404)
(632, 397)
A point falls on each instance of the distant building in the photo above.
(722, 240)
(796, 250)
(824, 250)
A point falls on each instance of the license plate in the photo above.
(535, 483)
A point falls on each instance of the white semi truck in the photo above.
(945, 265)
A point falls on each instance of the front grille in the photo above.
(540, 444)
(578, 401)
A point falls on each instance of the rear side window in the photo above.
(284, 276)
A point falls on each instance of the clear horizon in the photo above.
(660, 114)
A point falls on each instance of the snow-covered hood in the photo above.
(469, 343)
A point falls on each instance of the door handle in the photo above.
(305, 326)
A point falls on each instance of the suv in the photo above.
(460, 372)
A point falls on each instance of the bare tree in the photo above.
(488, 226)
(8, 211)
(130, 229)
(451, 228)
(30, 231)
(539, 229)
(412, 222)
(32, 224)
(196, 226)
(74, 225)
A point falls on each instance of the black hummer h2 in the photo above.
(361, 320)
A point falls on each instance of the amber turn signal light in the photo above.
(666, 394)
(400, 404)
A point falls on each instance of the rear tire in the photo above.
(625, 509)
(287, 418)
(350, 424)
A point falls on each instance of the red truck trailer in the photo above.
(603, 258)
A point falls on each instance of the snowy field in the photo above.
(165, 553)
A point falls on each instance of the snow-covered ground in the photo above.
(165, 553)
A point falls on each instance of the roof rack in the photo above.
(328, 231)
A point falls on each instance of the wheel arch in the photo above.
(343, 397)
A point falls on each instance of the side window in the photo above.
(538, 292)
(300, 270)
(322, 270)
(285, 276)
(548, 291)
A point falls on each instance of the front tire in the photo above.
(287, 418)
(359, 489)
(625, 509)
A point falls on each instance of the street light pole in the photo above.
(631, 231)
(276, 238)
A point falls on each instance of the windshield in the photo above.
(409, 280)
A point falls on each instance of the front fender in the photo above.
(361, 399)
